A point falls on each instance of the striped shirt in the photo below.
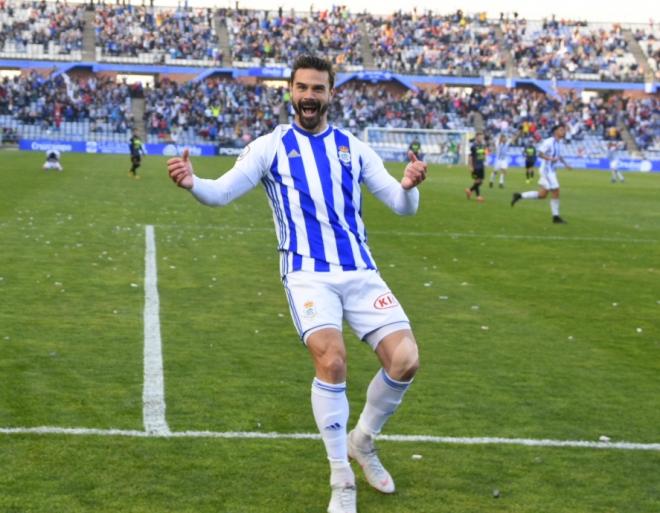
(313, 183)
(550, 147)
(501, 150)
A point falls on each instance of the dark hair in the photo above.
(556, 127)
(313, 62)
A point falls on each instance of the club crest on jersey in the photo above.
(344, 154)
(385, 301)
(309, 309)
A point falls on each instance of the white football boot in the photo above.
(361, 449)
(343, 499)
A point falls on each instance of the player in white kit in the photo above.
(501, 160)
(52, 160)
(550, 154)
(312, 174)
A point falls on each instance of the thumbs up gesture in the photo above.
(415, 172)
(180, 170)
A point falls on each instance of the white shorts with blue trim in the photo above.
(324, 299)
(548, 180)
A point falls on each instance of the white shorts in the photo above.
(52, 165)
(549, 181)
(324, 299)
(501, 165)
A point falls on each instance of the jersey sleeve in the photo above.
(249, 168)
(384, 186)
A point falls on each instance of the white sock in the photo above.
(384, 396)
(554, 206)
(493, 175)
(530, 195)
(330, 407)
(501, 178)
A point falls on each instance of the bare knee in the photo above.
(327, 350)
(399, 355)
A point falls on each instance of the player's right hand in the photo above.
(181, 171)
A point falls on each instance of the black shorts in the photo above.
(478, 174)
(529, 163)
(135, 160)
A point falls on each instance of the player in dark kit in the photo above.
(137, 150)
(530, 160)
(478, 165)
(416, 148)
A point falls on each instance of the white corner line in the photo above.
(425, 439)
(153, 394)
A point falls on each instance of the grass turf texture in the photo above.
(562, 357)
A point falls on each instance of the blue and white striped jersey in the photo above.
(313, 183)
(552, 148)
(501, 149)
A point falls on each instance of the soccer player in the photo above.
(53, 160)
(530, 159)
(612, 148)
(550, 154)
(501, 160)
(311, 172)
(478, 165)
(416, 148)
(137, 150)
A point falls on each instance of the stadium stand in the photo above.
(40, 30)
(405, 70)
(152, 35)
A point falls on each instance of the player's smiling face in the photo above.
(310, 96)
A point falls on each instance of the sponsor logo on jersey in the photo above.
(293, 154)
(344, 154)
(385, 301)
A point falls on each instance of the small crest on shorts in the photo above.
(385, 301)
(344, 154)
(309, 309)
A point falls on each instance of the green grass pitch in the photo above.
(526, 330)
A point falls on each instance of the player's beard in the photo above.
(311, 122)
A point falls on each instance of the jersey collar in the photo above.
(310, 134)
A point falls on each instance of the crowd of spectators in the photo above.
(263, 37)
(406, 41)
(215, 110)
(567, 50)
(358, 104)
(183, 33)
(649, 42)
(531, 113)
(642, 117)
(48, 102)
(41, 23)
(456, 44)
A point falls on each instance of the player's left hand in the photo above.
(415, 172)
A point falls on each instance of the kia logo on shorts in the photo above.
(384, 301)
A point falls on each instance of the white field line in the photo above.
(153, 394)
(530, 442)
(448, 235)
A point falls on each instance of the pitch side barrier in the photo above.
(389, 155)
(110, 147)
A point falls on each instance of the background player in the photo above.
(529, 152)
(137, 150)
(501, 160)
(416, 148)
(53, 160)
(550, 154)
(478, 165)
(612, 155)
